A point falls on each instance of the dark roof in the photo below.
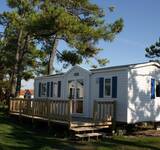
(56, 74)
(105, 68)
(52, 75)
(120, 66)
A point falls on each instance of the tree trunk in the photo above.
(13, 83)
(15, 70)
(24, 49)
(52, 56)
(18, 85)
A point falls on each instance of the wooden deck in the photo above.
(60, 111)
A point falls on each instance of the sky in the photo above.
(141, 29)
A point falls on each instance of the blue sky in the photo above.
(141, 29)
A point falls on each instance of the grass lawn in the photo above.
(14, 136)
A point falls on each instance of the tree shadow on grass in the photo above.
(22, 137)
(115, 143)
(13, 136)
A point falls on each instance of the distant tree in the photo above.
(153, 51)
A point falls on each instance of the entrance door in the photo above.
(76, 93)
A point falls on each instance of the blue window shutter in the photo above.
(59, 89)
(114, 87)
(39, 90)
(158, 89)
(101, 87)
(152, 88)
(48, 86)
(51, 89)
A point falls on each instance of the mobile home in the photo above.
(135, 88)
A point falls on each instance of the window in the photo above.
(76, 89)
(157, 88)
(55, 86)
(39, 91)
(71, 88)
(107, 87)
(78, 93)
(71, 93)
(44, 89)
(48, 88)
(59, 89)
(79, 89)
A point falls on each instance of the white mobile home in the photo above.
(135, 88)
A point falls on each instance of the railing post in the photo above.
(10, 108)
(20, 105)
(12, 105)
(94, 111)
(33, 110)
(28, 106)
(70, 111)
(114, 116)
(48, 111)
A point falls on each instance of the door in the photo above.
(76, 93)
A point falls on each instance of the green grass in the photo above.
(15, 136)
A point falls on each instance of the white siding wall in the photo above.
(83, 74)
(140, 105)
(49, 79)
(121, 100)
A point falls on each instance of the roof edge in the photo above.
(113, 68)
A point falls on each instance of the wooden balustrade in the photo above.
(60, 110)
(45, 108)
(104, 111)
(15, 105)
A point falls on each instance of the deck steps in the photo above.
(88, 132)
(85, 129)
(88, 135)
(89, 124)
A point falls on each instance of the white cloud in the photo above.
(131, 42)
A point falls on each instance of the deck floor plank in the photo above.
(83, 122)
(88, 135)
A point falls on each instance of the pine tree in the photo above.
(153, 51)
(18, 43)
(34, 23)
(79, 23)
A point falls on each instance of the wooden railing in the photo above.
(49, 109)
(77, 106)
(104, 111)
(60, 110)
(15, 105)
